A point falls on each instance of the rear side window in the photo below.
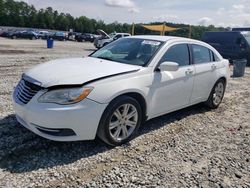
(201, 54)
(178, 53)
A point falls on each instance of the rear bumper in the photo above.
(61, 122)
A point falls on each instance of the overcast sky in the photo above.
(226, 13)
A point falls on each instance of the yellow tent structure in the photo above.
(161, 28)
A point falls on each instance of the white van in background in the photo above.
(105, 39)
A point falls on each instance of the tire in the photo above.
(216, 96)
(123, 128)
(33, 38)
(14, 37)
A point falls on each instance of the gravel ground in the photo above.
(194, 147)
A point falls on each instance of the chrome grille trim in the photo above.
(25, 91)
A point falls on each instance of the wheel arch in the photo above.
(223, 78)
(141, 100)
(220, 78)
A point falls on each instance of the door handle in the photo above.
(189, 71)
(213, 66)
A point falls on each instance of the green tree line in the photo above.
(20, 14)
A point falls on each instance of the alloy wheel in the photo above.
(123, 122)
(218, 93)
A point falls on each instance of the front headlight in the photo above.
(65, 96)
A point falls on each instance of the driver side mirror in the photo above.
(169, 66)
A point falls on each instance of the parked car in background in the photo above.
(241, 29)
(4, 33)
(105, 39)
(43, 34)
(111, 92)
(7, 33)
(61, 36)
(231, 45)
(72, 36)
(24, 35)
(85, 37)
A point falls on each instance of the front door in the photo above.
(172, 90)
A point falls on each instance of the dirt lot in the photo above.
(194, 147)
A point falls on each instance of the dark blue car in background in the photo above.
(24, 35)
(232, 45)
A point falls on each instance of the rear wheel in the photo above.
(120, 121)
(216, 95)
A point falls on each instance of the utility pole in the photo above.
(133, 29)
(190, 31)
(163, 29)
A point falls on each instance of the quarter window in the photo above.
(178, 53)
(213, 57)
(201, 54)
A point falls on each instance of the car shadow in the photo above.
(23, 151)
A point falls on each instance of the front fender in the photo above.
(107, 90)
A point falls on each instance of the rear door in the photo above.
(206, 65)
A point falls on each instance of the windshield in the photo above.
(248, 39)
(246, 34)
(129, 51)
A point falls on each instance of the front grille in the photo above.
(25, 91)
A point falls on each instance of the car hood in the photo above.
(75, 71)
(102, 33)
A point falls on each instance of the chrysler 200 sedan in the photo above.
(112, 91)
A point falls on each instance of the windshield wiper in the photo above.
(106, 58)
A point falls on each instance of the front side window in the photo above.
(178, 53)
(129, 51)
(118, 36)
(201, 54)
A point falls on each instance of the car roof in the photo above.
(121, 33)
(162, 38)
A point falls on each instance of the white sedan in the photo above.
(110, 93)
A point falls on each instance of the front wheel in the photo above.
(216, 95)
(120, 121)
